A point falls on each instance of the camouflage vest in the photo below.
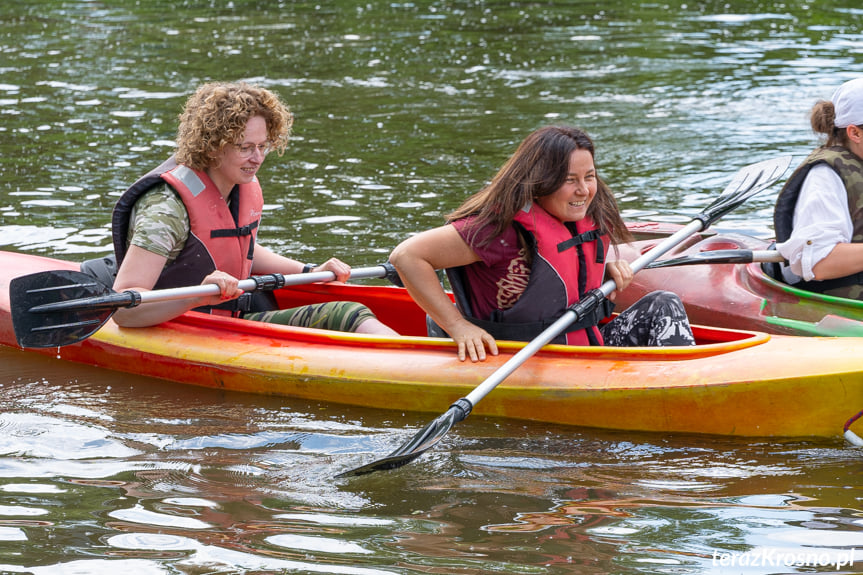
(850, 169)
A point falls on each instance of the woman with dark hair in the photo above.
(818, 218)
(195, 218)
(526, 247)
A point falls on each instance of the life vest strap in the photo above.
(579, 239)
(234, 232)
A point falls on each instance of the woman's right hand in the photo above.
(472, 340)
(228, 289)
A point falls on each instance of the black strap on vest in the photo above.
(578, 239)
(234, 232)
(239, 231)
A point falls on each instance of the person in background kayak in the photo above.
(526, 247)
(195, 218)
(818, 217)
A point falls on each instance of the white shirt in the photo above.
(821, 220)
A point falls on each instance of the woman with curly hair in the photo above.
(195, 218)
(526, 247)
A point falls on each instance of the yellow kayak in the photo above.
(733, 382)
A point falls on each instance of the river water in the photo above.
(402, 109)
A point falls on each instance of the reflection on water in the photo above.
(100, 472)
(402, 109)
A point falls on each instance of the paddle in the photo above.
(62, 307)
(745, 184)
(740, 256)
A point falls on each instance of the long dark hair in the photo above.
(539, 167)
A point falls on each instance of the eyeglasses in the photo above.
(247, 150)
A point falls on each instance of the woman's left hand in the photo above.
(621, 273)
(338, 267)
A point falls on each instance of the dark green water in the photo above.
(402, 109)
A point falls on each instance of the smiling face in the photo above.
(569, 203)
(233, 168)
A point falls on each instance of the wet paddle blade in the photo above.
(55, 328)
(428, 437)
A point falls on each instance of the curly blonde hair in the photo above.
(215, 116)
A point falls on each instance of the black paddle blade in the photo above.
(736, 256)
(741, 256)
(55, 328)
(428, 437)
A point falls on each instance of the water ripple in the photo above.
(50, 438)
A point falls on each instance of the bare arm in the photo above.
(843, 260)
(268, 262)
(140, 271)
(416, 260)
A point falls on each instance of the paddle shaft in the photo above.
(251, 284)
(738, 256)
(132, 298)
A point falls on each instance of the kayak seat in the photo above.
(434, 330)
(103, 269)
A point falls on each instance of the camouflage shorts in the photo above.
(334, 315)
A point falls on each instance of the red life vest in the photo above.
(216, 240)
(229, 244)
(568, 261)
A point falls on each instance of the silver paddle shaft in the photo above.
(251, 285)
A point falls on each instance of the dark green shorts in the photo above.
(334, 315)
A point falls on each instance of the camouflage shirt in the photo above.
(159, 223)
